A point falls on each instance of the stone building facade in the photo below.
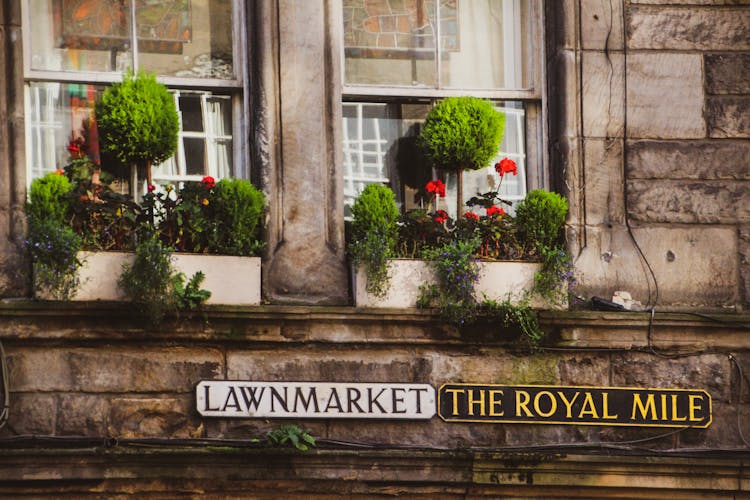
(645, 109)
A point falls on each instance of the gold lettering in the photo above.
(552, 404)
(638, 405)
(588, 402)
(692, 407)
(495, 402)
(473, 402)
(521, 405)
(455, 393)
(605, 409)
(663, 406)
(675, 417)
(568, 404)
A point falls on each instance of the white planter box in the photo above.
(498, 280)
(231, 280)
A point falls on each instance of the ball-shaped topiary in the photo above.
(541, 215)
(137, 121)
(462, 133)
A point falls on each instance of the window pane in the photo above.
(490, 39)
(58, 112)
(380, 147)
(190, 38)
(195, 156)
(483, 43)
(390, 42)
(80, 35)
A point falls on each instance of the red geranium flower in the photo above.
(151, 188)
(436, 187)
(506, 166)
(494, 209)
(208, 182)
(441, 216)
(471, 215)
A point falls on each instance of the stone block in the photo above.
(584, 370)
(601, 25)
(723, 431)
(706, 160)
(744, 253)
(665, 96)
(561, 20)
(82, 415)
(110, 370)
(690, 202)
(31, 414)
(603, 181)
(334, 364)
(153, 417)
(603, 91)
(677, 28)
(728, 116)
(694, 267)
(709, 372)
(727, 73)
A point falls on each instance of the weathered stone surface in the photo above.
(696, 28)
(691, 2)
(689, 270)
(334, 364)
(725, 159)
(744, 254)
(728, 116)
(719, 202)
(603, 90)
(603, 189)
(104, 370)
(601, 25)
(727, 73)
(584, 370)
(82, 415)
(665, 96)
(153, 417)
(31, 414)
(723, 431)
(710, 372)
(307, 262)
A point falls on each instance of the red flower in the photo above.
(506, 166)
(208, 182)
(471, 215)
(494, 209)
(151, 188)
(441, 216)
(59, 171)
(436, 187)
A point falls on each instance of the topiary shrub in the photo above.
(237, 214)
(137, 121)
(541, 215)
(49, 198)
(374, 235)
(462, 133)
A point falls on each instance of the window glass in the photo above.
(187, 38)
(393, 42)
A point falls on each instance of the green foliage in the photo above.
(49, 198)
(237, 218)
(54, 248)
(374, 232)
(542, 216)
(462, 133)
(137, 120)
(191, 295)
(457, 274)
(515, 315)
(291, 436)
(149, 283)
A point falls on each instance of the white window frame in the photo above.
(236, 87)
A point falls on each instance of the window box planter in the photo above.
(497, 280)
(231, 280)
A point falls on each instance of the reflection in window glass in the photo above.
(184, 38)
(392, 42)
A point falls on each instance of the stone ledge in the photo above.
(483, 473)
(31, 322)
